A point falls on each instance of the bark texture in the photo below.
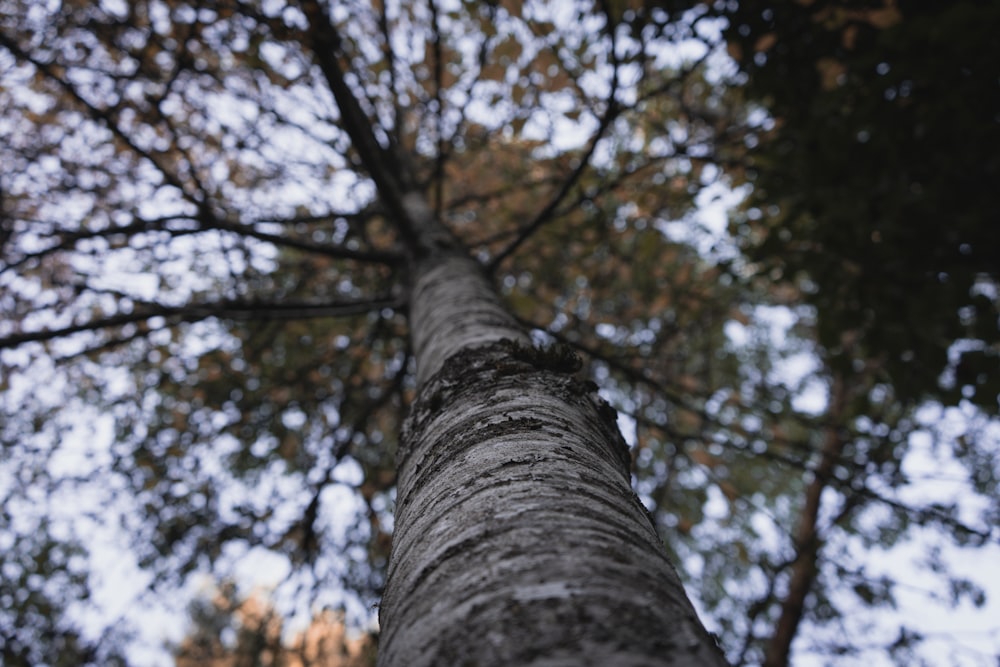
(518, 538)
(454, 307)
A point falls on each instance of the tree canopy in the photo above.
(204, 353)
(877, 177)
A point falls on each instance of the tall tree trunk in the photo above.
(518, 539)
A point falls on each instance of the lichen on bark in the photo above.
(516, 519)
(504, 357)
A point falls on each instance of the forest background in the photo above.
(203, 352)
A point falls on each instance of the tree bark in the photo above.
(518, 539)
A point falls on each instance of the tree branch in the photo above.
(382, 162)
(807, 537)
(547, 213)
(389, 166)
(337, 252)
(442, 155)
(105, 117)
(235, 310)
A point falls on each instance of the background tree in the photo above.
(195, 261)
(869, 183)
(875, 176)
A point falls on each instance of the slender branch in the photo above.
(104, 116)
(611, 111)
(338, 252)
(678, 80)
(635, 374)
(6, 227)
(804, 568)
(547, 213)
(389, 166)
(197, 198)
(755, 610)
(307, 526)
(383, 163)
(68, 238)
(441, 157)
(236, 310)
(390, 59)
(466, 92)
(65, 239)
(851, 484)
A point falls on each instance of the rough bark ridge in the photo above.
(518, 539)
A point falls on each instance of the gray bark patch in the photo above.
(518, 538)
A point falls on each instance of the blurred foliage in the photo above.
(873, 177)
(232, 631)
(203, 348)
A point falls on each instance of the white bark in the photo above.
(518, 539)
(453, 307)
